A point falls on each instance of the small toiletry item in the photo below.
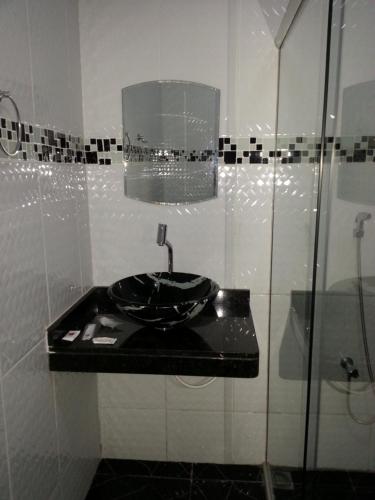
(71, 335)
(108, 321)
(90, 330)
(104, 340)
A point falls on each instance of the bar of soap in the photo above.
(104, 340)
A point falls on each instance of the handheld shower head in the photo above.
(359, 223)
(161, 236)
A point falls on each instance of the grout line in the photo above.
(38, 167)
(2, 398)
(22, 358)
(78, 232)
(166, 416)
(58, 444)
(30, 56)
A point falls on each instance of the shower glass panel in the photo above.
(342, 436)
(300, 110)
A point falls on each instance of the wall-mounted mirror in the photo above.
(171, 130)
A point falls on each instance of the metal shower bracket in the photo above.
(4, 94)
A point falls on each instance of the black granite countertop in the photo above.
(220, 342)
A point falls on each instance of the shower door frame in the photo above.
(322, 205)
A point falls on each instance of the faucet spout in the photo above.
(161, 240)
(170, 256)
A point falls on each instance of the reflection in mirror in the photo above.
(356, 178)
(171, 130)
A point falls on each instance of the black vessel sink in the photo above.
(163, 300)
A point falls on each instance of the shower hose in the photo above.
(371, 420)
(348, 389)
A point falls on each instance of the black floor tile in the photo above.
(329, 477)
(226, 490)
(330, 492)
(173, 470)
(279, 474)
(141, 488)
(104, 468)
(241, 490)
(295, 494)
(365, 493)
(204, 490)
(362, 479)
(148, 468)
(227, 472)
(327, 492)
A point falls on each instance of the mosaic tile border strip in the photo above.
(39, 143)
(42, 144)
(112, 149)
(249, 150)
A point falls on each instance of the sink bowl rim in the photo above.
(211, 294)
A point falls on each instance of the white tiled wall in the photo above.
(134, 40)
(222, 43)
(49, 427)
(227, 45)
(274, 11)
(49, 422)
(155, 417)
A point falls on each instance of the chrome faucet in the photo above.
(161, 240)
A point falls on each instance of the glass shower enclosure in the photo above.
(321, 397)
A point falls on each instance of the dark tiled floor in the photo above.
(141, 480)
(331, 485)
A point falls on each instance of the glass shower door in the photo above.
(343, 361)
(300, 114)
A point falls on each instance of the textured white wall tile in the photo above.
(357, 38)
(131, 391)
(56, 495)
(15, 67)
(133, 434)
(250, 395)
(83, 224)
(251, 227)
(48, 42)
(78, 427)
(23, 308)
(303, 90)
(343, 444)
(4, 472)
(332, 401)
(31, 426)
(195, 436)
(74, 68)
(285, 439)
(286, 394)
(255, 79)
(115, 35)
(58, 187)
(273, 12)
(76, 480)
(249, 438)
(199, 30)
(197, 232)
(237, 57)
(180, 397)
(295, 200)
(372, 448)
(18, 185)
